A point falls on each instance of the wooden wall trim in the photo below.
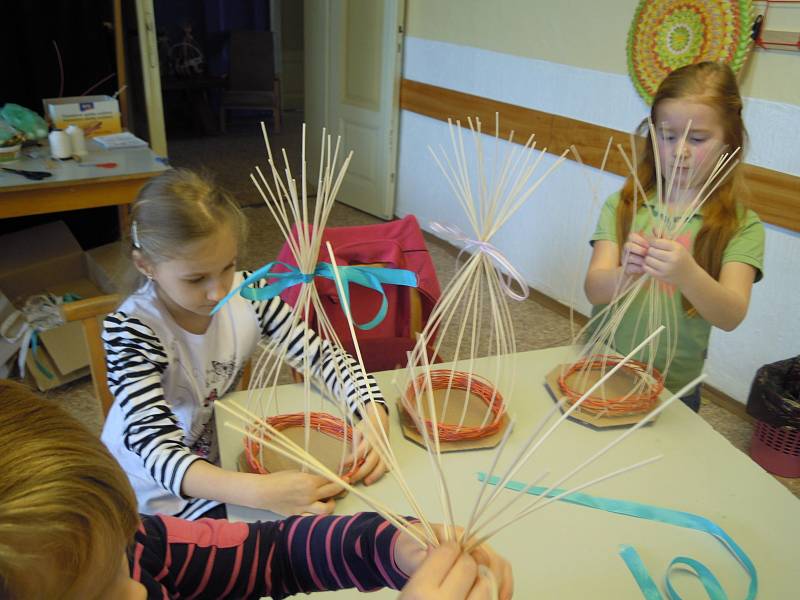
(775, 195)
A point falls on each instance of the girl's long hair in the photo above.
(713, 84)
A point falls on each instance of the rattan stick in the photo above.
(381, 432)
(475, 542)
(514, 467)
(616, 441)
(322, 471)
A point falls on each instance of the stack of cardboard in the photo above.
(48, 259)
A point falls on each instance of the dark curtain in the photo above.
(82, 30)
(31, 30)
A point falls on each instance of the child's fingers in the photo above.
(482, 590)
(321, 508)
(653, 263)
(655, 272)
(461, 578)
(633, 263)
(634, 249)
(663, 244)
(376, 473)
(362, 446)
(366, 467)
(507, 587)
(499, 568)
(437, 564)
(328, 490)
(661, 255)
(360, 452)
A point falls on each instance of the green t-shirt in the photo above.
(746, 246)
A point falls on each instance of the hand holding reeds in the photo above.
(635, 254)
(669, 261)
(371, 467)
(448, 572)
(292, 493)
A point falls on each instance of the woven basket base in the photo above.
(322, 446)
(476, 410)
(619, 384)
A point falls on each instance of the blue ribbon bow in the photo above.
(663, 515)
(369, 277)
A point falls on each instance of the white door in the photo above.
(353, 64)
(151, 76)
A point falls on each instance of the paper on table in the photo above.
(120, 140)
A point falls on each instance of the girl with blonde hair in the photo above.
(169, 359)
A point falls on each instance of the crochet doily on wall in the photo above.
(668, 34)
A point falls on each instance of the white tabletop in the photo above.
(131, 162)
(566, 551)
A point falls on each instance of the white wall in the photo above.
(547, 241)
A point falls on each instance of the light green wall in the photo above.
(584, 33)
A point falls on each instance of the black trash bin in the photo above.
(774, 402)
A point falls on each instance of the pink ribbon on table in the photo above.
(508, 274)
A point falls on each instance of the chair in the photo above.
(252, 84)
(397, 244)
(90, 312)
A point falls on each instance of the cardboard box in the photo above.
(11, 323)
(97, 115)
(47, 258)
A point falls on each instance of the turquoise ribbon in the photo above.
(663, 515)
(35, 353)
(368, 277)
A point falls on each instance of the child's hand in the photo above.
(669, 261)
(293, 493)
(446, 573)
(634, 254)
(372, 468)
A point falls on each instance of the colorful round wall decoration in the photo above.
(668, 34)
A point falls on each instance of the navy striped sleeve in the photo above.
(213, 558)
(339, 371)
(135, 362)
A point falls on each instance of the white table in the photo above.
(567, 551)
(75, 187)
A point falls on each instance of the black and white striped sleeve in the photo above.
(136, 360)
(340, 372)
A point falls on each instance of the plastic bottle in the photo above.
(77, 140)
(60, 146)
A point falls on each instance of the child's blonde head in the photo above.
(177, 208)
(67, 511)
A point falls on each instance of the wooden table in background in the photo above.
(75, 187)
(568, 551)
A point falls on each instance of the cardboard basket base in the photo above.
(325, 448)
(476, 409)
(617, 385)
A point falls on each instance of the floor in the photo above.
(230, 159)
